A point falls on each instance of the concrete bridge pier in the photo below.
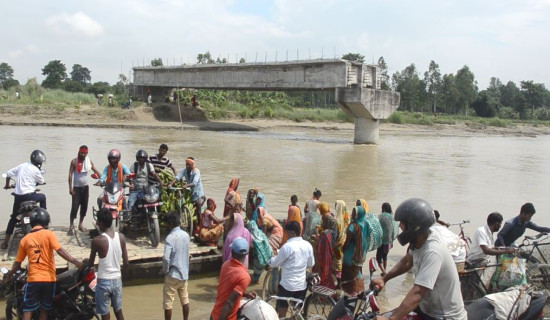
(368, 106)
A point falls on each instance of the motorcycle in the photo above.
(365, 306)
(74, 294)
(145, 214)
(112, 197)
(23, 224)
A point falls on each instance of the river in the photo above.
(463, 176)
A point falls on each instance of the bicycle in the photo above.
(471, 284)
(538, 272)
(319, 299)
(182, 208)
(296, 308)
(462, 235)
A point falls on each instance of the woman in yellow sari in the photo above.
(343, 219)
(211, 227)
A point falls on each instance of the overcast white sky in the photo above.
(501, 38)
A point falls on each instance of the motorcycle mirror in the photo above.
(132, 175)
(4, 270)
(94, 175)
(4, 175)
(43, 171)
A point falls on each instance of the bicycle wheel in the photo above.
(539, 276)
(270, 283)
(318, 305)
(470, 289)
(186, 219)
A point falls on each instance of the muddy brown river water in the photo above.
(463, 176)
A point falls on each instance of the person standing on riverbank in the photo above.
(78, 186)
(234, 280)
(175, 265)
(160, 161)
(111, 248)
(312, 218)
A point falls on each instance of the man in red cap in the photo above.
(78, 186)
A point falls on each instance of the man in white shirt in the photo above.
(483, 242)
(294, 257)
(26, 176)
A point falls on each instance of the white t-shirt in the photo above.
(26, 176)
(435, 269)
(294, 257)
(483, 236)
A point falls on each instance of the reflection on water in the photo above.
(462, 177)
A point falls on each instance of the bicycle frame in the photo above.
(534, 242)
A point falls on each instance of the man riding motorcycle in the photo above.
(26, 175)
(144, 171)
(113, 172)
(436, 291)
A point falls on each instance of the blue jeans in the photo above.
(38, 294)
(133, 198)
(108, 290)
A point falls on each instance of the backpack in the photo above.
(149, 178)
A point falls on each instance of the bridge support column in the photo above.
(366, 131)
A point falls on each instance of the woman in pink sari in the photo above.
(237, 230)
(274, 232)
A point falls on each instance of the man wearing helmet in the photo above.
(144, 171)
(436, 291)
(38, 247)
(26, 175)
(114, 171)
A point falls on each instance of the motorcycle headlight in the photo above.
(151, 197)
(113, 198)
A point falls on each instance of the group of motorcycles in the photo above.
(74, 294)
(143, 216)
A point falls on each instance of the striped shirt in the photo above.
(160, 164)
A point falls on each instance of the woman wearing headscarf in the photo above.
(274, 232)
(324, 261)
(374, 226)
(342, 220)
(237, 230)
(312, 220)
(211, 227)
(232, 196)
(251, 202)
(261, 248)
(260, 210)
(355, 252)
(294, 214)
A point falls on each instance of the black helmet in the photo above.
(114, 153)
(38, 158)
(141, 154)
(39, 216)
(417, 215)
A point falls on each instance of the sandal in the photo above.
(82, 229)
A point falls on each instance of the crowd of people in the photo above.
(332, 240)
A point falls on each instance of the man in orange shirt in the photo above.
(235, 282)
(38, 246)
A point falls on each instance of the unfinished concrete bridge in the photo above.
(357, 85)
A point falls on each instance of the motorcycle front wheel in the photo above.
(154, 232)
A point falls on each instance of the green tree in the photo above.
(486, 105)
(6, 72)
(535, 95)
(120, 86)
(354, 57)
(72, 85)
(511, 97)
(6, 84)
(449, 93)
(205, 58)
(99, 88)
(221, 61)
(411, 87)
(466, 88)
(55, 73)
(242, 60)
(81, 75)
(384, 77)
(156, 62)
(432, 79)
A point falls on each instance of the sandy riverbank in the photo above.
(142, 117)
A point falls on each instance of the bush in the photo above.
(396, 117)
(508, 113)
(542, 114)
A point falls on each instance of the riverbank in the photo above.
(143, 117)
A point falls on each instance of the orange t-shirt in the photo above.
(233, 277)
(39, 246)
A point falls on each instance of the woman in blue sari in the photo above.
(261, 248)
(355, 252)
(260, 210)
